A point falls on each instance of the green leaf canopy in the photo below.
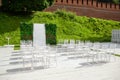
(26, 5)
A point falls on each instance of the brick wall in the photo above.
(88, 3)
(90, 8)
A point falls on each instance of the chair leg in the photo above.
(32, 64)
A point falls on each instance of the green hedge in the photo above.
(51, 33)
(26, 31)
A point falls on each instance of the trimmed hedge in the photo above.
(26, 31)
(51, 33)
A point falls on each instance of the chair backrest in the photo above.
(72, 41)
(105, 45)
(97, 45)
(66, 41)
(113, 45)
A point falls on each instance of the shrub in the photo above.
(26, 31)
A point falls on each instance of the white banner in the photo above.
(39, 35)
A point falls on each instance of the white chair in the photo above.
(38, 57)
(52, 57)
(27, 59)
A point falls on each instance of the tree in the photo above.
(110, 1)
(104, 1)
(25, 5)
(116, 1)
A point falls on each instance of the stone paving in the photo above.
(69, 67)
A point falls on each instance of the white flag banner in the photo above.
(39, 35)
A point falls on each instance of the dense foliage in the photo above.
(68, 26)
(26, 31)
(110, 1)
(116, 1)
(50, 33)
(10, 27)
(25, 5)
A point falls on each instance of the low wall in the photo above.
(90, 8)
(89, 3)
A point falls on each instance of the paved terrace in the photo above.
(69, 66)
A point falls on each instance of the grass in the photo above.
(10, 27)
(17, 47)
(69, 26)
(117, 55)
